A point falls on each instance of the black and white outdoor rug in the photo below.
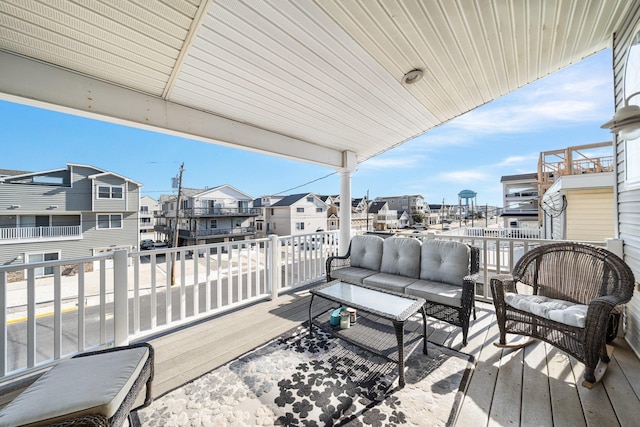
(323, 381)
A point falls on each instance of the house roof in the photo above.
(520, 177)
(291, 199)
(374, 207)
(11, 172)
(293, 78)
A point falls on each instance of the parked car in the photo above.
(146, 244)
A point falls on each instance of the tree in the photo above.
(417, 217)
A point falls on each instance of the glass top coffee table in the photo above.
(378, 337)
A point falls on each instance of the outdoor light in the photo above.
(626, 121)
(14, 206)
(412, 76)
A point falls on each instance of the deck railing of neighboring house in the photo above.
(116, 297)
(201, 234)
(29, 233)
(194, 212)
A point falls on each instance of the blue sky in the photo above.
(473, 151)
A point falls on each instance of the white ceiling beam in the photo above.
(41, 85)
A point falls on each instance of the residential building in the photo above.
(294, 214)
(76, 211)
(404, 219)
(412, 204)
(520, 200)
(383, 218)
(577, 185)
(149, 207)
(218, 214)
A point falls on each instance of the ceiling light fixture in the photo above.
(626, 121)
(412, 76)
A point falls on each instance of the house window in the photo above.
(145, 220)
(259, 226)
(43, 271)
(110, 192)
(213, 223)
(299, 225)
(144, 209)
(109, 221)
(319, 210)
(272, 210)
(300, 210)
(309, 198)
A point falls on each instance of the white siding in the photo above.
(590, 215)
(628, 201)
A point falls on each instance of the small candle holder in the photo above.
(345, 320)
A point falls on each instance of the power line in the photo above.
(306, 183)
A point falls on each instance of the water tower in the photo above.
(467, 195)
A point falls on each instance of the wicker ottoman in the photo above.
(91, 389)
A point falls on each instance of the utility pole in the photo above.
(366, 205)
(175, 231)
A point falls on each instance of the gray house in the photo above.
(71, 212)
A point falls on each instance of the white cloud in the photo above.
(380, 162)
(464, 176)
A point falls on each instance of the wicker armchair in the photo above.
(565, 295)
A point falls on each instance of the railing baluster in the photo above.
(103, 301)
(57, 313)
(4, 291)
(81, 309)
(31, 317)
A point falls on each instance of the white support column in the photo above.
(350, 165)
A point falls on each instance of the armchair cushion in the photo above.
(83, 386)
(445, 261)
(560, 311)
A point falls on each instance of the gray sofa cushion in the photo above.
(401, 256)
(437, 292)
(366, 252)
(353, 275)
(445, 261)
(391, 282)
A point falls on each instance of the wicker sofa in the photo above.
(564, 294)
(441, 272)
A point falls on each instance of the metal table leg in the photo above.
(310, 324)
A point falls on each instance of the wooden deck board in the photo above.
(535, 382)
(537, 385)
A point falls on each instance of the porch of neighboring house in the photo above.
(538, 385)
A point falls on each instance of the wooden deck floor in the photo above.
(535, 386)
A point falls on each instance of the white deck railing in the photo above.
(27, 233)
(117, 297)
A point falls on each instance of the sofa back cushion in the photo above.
(445, 261)
(366, 252)
(401, 256)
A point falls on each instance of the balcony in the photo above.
(219, 212)
(216, 232)
(36, 234)
(240, 296)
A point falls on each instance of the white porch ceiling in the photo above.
(303, 79)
